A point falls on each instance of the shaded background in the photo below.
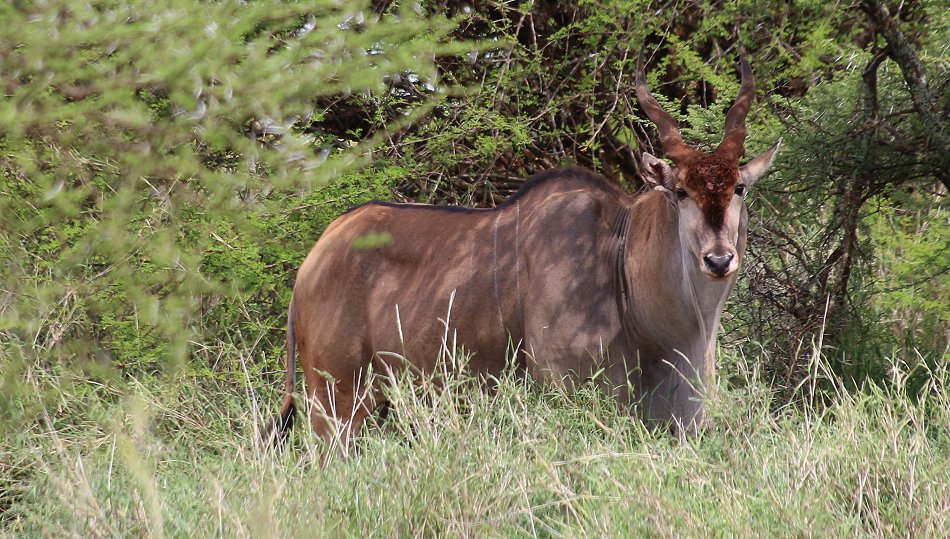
(165, 167)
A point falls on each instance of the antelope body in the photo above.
(579, 275)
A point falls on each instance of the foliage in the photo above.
(457, 461)
(560, 91)
(162, 172)
(155, 201)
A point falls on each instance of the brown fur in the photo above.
(584, 278)
(711, 180)
(582, 275)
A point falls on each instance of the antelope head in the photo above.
(709, 189)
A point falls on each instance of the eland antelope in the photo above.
(583, 277)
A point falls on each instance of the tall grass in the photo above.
(132, 458)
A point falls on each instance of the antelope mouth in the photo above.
(719, 266)
(716, 276)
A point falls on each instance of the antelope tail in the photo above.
(276, 432)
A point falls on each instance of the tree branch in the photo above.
(900, 49)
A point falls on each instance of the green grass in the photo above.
(133, 458)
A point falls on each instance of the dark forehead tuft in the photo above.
(711, 179)
(710, 174)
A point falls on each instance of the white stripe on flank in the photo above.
(518, 253)
(494, 254)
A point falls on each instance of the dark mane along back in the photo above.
(572, 173)
(564, 174)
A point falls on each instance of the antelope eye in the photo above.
(681, 193)
(741, 190)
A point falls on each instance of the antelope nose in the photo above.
(718, 264)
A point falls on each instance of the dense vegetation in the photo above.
(170, 460)
(165, 166)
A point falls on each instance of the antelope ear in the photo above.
(758, 166)
(657, 172)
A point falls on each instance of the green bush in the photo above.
(164, 168)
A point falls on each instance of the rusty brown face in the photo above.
(711, 181)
